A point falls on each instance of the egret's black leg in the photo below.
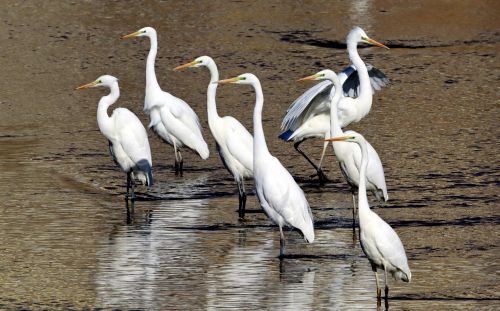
(322, 177)
(242, 199)
(354, 212)
(128, 186)
(386, 286)
(282, 243)
(181, 163)
(132, 184)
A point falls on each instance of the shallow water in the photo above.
(67, 241)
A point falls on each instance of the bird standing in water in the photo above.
(380, 243)
(278, 193)
(234, 142)
(128, 139)
(171, 118)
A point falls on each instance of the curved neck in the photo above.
(103, 120)
(335, 129)
(151, 81)
(259, 140)
(362, 198)
(365, 88)
(211, 92)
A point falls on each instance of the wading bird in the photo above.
(309, 115)
(380, 243)
(278, 193)
(171, 118)
(349, 155)
(128, 139)
(234, 142)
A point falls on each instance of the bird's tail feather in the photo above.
(144, 166)
(286, 135)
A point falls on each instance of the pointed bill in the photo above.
(308, 78)
(373, 42)
(191, 64)
(230, 80)
(86, 86)
(131, 35)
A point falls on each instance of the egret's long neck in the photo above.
(103, 120)
(211, 92)
(365, 89)
(259, 140)
(335, 129)
(151, 81)
(362, 198)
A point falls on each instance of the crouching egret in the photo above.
(128, 139)
(234, 142)
(309, 115)
(349, 155)
(380, 243)
(171, 118)
(279, 195)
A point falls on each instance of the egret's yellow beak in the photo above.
(191, 64)
(230, 80)
(131, 35)
(373, 42)
(339, 138)
(86, 86)
(313, 77)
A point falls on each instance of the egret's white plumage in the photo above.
(128, 140)
(379, 241)
(278, 193)
(309, 115)
(234, 142)
(171, 117)
(349, 155)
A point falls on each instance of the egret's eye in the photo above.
(322, 74)
(100, 81)
(243, 78)
(144, 31)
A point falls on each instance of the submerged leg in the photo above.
(242, 198)
(322, 177)
(379, 291)
(176, 165)
(181, 162)
(132, 186)
(354, 213)
(128, 186)
(282, 243)
(386, 286)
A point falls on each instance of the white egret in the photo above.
(349, 155)
(380, 243)
(171, 118)
(128, 139)
(234, 142)
(309, 115)
(279, 195)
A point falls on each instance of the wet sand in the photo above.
(67, 243)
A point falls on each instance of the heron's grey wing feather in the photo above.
(301, 104)
(377, 79)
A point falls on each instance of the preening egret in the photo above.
(309, 115)
(279, 195)
(349, 155)
(234, 142)
(128, 139)
(380, 243)
(171, 118)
